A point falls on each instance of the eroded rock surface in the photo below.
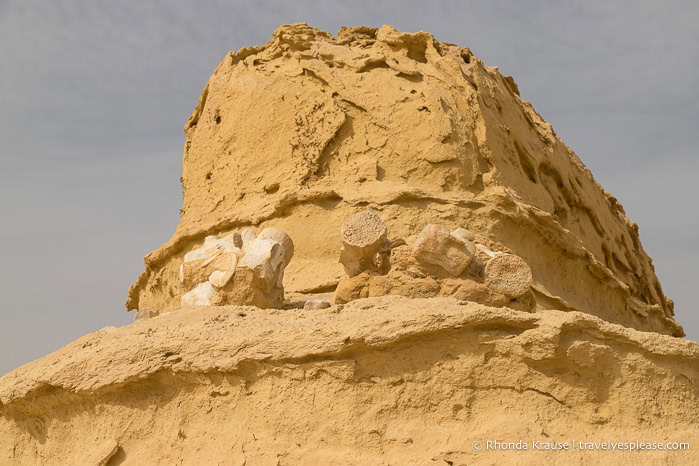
(487, 287)
(385, 380)
(302, 132)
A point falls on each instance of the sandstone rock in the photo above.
(314, 304)
(292, 137)
(421, 128)
(224, 385)
(143, 314)
(363, 235)
(352, 288)
(587, 354)
(472, 291)
(509, 275)
(435, 245)
(99, 455)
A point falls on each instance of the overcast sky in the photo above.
(94, 95)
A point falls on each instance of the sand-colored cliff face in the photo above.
(299, 135)
(379, 381)
(308, 129)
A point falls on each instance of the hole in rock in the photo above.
(374, 64)
(414, 78)
(416, 51)
(272, 188)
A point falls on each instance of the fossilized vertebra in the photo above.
(508, 274)
(436, 245)
(363, 237)
(238, 269)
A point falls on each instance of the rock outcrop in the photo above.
(302, 132)
(387, 380)
(458, 277)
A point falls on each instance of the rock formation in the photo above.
(386, 380)
(308, 128)
(458, 276)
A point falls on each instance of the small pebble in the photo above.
(313, 304)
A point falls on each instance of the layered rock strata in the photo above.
(387, 380)
(300, 133)
(526, 308)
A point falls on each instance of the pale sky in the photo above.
(94, 95)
